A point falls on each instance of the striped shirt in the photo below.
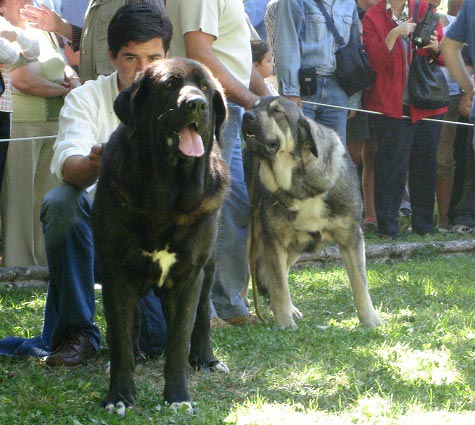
(6, 99)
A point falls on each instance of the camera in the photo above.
(425, 28)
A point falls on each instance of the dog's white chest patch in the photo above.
(311, 214)
(165, 259)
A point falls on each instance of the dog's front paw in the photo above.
(218, 367)
(285, 323)
(371, 320)
(183, 407)
(295, 312)
(119, 408)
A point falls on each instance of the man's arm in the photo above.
(199, 47)
(452, 51)
(82, 171)
(78, 149)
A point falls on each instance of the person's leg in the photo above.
(70, 302)
(232, 270)
(462, 136)
(153, 326)
(328, 93)
(465, 211)
(354, 147)
(4, 134)
(422, 174)
(27, 179)
(394, 139)
(446, 164)
(367, 179)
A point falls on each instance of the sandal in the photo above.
(462, 229)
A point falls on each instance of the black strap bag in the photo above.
(353, 71)
(427, 85)
(2, 84)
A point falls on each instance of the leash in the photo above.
(252, 262)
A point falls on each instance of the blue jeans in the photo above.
(404, 147)
(231, 268)
(70, 302)
(329, 92)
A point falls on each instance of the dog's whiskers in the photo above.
(164, 114)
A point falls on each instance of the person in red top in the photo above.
(403, 144)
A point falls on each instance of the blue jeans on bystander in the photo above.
(231, 261)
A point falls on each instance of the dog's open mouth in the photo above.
(257, 145)
(190, 141)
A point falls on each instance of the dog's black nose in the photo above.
(197, 103)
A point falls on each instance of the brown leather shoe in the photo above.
(248, 319)
(217, 323)
(73, 350)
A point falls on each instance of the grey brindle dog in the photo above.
(305, 193)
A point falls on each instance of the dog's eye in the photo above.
(172, 82)
(204, 86)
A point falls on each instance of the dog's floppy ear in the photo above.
(219, 107)
(307, 134)
(123, 105)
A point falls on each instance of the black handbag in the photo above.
(353, 70)
(427, 85)
(2, 84)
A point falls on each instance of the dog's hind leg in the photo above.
(201, 352)
(120, 304)
(353, 253)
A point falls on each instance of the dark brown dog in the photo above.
(155, 215)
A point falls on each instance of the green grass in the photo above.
(417, 368)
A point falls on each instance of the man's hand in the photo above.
(46, 19)
(465, 105)
(95, 158)
(295, 99)
(82, 171)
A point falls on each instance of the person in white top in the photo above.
(14, 43)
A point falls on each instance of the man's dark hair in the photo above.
(138, 23)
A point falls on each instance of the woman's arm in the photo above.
(8, 54)
(28, 81)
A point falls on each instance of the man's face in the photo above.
(135, 57)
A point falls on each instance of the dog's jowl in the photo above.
(155, 214)
(305, 192)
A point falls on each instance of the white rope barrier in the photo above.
(380, 113)
(26, 139)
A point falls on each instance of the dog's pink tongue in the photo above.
(191, 143)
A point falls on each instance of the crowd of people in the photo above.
(63, 65)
